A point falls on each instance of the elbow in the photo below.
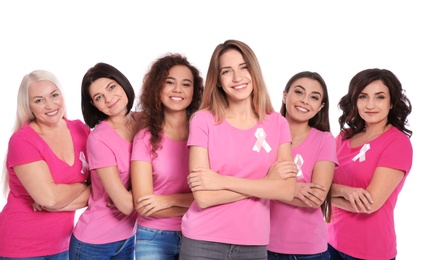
(202, 201)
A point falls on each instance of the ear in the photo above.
(321, 106)
(284, 97)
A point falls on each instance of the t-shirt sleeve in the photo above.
(99, 153)
(23, 149)
(199, 130)
(328, 150)
(397, 154)
(141, 147)
(285, 131)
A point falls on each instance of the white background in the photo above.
(335, 38)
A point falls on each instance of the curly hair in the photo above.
(350, 121)
(150, 104)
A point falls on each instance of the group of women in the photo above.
(205, 169)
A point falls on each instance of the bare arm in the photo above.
(273, 186)
(78, 203)
(37, 180)
(157, 205)
(313, 194)
(383, 183)
(118, 193)
(207, 198)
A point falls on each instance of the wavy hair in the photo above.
(350, 121)
(149, 103)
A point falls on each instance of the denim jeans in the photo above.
(279, 256)
(59, 256)
(337, 255)
(154, 244)
(124, 250)
(198, 250)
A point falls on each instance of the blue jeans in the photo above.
(279, 256)
(124, 249)
(154, 244)
(337, 255)
(198, 250)
(59, 256)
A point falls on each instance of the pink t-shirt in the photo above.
(301, 230)
(100, 223)
(231, 153)
(28, 233)
(170, 170)
(369, 236)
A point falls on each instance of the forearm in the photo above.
(180, 200)
(61, 195)
(170, 212)
(276, 189)
(77, 203)
(207, 199)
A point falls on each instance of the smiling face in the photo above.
(108, 97)
(235, 78)
(303, 100)
(374, 104)
(46, 102)
(177, 90)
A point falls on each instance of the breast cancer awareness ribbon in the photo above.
(299, 161)
(85, 165)
(362, 153)
(260, 141)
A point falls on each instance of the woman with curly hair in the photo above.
(171, 92)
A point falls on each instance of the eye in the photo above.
(225, 71)
(316, 98)
(187, 84)
(113, 86)
(55, 95)
(244, 67)
(298, 92)
(169, 82)
(97, 98)
(380, 97)
(38, 100)
(363, 96)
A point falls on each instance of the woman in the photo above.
(375, 156)
(171, 93)
(47, 173)
(106, 229)
(233, 141)
(298, 228)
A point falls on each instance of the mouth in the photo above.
(177, 98)
(112, 105)
(301, 109)
(52, 113)
(240, 87)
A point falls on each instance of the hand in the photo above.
(282, 170)
(149, 204)
(360, 199)
(308, 193)
(37, 207)
(205, 179)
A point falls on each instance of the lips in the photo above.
(177, 98)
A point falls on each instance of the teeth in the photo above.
(239, 87)
(52, 113)
(176, 98)
(302, 109)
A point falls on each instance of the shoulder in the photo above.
(78, 124)
(202, 116)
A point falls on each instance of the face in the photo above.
(373, 103)
(108, 97)
(46, 102)
(177, 90)
(303, 100)
(235, 78)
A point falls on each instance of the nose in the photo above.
(176, 88)
(237, 76)
(304, 99)
(108, 98)
(48, 104)
(370, 103)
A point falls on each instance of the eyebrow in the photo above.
(169, 77)
(56, 90)
(314, 92)
(97, 93)
(243, 63)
